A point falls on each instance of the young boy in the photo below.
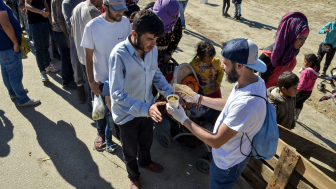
(111, 146)
(283, 98)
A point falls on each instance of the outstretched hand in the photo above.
(154, 112)
(177, 113)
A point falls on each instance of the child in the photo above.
(309, 72)
(208, 69)
(110, 123)
(237, 4)
(283, 98)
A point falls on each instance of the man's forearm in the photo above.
(9, 30)
(214, 103)
(33, 9)
(89, 69)
(203, 134)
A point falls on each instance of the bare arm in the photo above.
(33, 9)
(21, 4)
(89, 71)
(214, 103)
(46, 7)
(223, 135)
(9, 30)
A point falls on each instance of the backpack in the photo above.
(265, 142)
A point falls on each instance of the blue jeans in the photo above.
(183, 5)
(11, 71)
(40, 32)
(110, 125)
(238, 9)
(225, 179)
(67, 71)
(15, 9)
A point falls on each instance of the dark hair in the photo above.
(314, 59)
(146, 21)
(205, 48)
(287, 79)
(133, 14)
(149, 5)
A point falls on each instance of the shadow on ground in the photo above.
(6, 134)
(69, 154)
(254, 24)
(327, 141)
(201, 37)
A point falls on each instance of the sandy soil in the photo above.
(259, 23)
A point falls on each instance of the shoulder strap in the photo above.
(257, 96)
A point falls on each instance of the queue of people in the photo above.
(104, 50)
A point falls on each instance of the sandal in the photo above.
(99, 143)
(111, 147)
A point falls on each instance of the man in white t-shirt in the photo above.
(100, 36)
(241, 113)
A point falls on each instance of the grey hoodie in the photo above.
(285, 107)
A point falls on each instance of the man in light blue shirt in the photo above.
(133, 70)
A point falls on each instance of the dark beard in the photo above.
(112, 17)
(138, 44)
(232, 76)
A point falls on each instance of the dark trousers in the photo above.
(136, 137)
(89, 92)
(226, 3)
(53, 41)
(329, 57)
(300, 99)
(41, 42)
(67, 71)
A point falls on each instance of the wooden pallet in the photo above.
(291, 167)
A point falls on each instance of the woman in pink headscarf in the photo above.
(292, 33)
(168, 11)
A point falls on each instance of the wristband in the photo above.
(92, 83)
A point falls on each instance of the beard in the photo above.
(114, 18)
(232, 76)
(138, 44)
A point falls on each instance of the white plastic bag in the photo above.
(98, 111)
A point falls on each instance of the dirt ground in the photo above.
(259, 23)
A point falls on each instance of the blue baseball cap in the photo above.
(244, 51)
(117, 5)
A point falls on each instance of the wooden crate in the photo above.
(291, 167)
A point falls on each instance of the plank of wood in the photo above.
(283, 169)
(253, 177)
(307, 147)
(259, 167)
(310, 172)
(296, 180)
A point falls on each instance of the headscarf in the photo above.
(291, 26)
(166, 9)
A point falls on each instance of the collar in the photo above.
(130, 47)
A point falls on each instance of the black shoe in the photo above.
(57, 55)
(69, 85)
(227, 15)
(323, 74)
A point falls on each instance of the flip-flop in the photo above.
(101, 141)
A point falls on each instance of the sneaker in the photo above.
(14, 96)
(51, 68)
(44, 76)
(227, 15)
(57, 55)
(183, 27)
(31, 102)
(323, 74)
(111, 147)
(81, 94)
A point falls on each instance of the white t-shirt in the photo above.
(244, 114)
(82, 14)
(102, 36)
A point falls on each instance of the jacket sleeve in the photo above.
(60, 18)
(177, 35)
(67, 12)
(321, 31)
(220, 74)
(303, 81)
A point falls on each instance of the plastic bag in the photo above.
(183, 89)
(98, 111)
